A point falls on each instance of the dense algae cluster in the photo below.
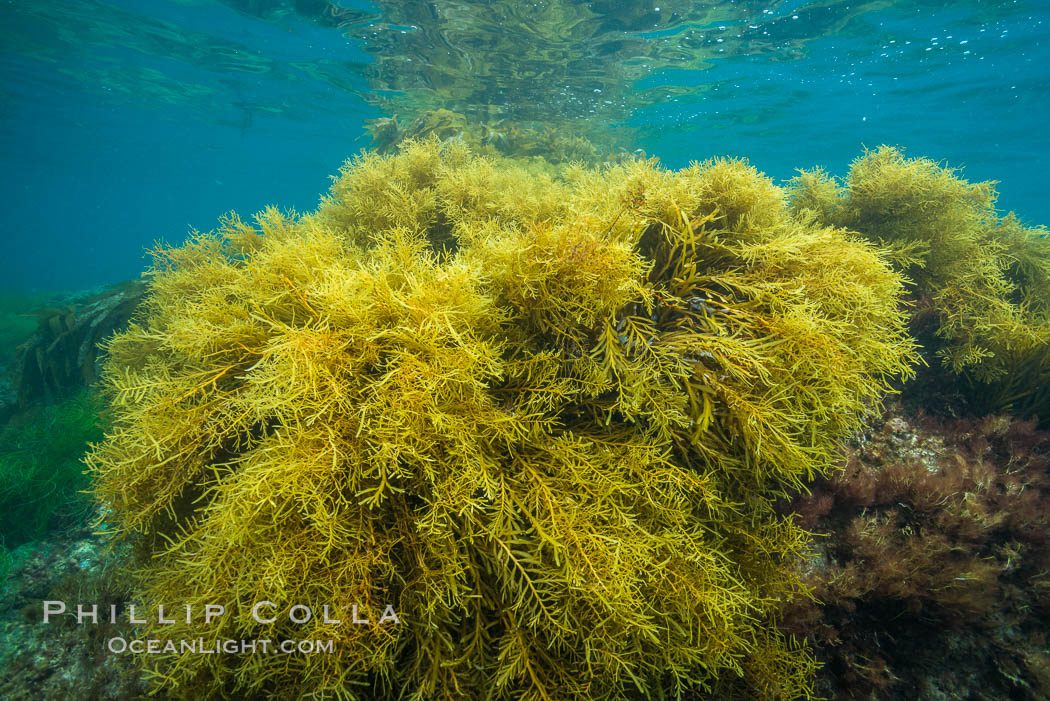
(979, 282)
(545, 415)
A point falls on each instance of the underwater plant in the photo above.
(17, 321)
(41, 476)
(553, 144)
(534, 424)
(983, 278)
(936, 550)
(61, 356)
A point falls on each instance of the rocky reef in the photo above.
(63, 658)
(930, 567)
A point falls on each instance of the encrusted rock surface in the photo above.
(62, 659)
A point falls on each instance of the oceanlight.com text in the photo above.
(157, 646)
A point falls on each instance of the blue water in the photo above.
(130, 122)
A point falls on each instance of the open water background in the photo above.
(126, 122)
